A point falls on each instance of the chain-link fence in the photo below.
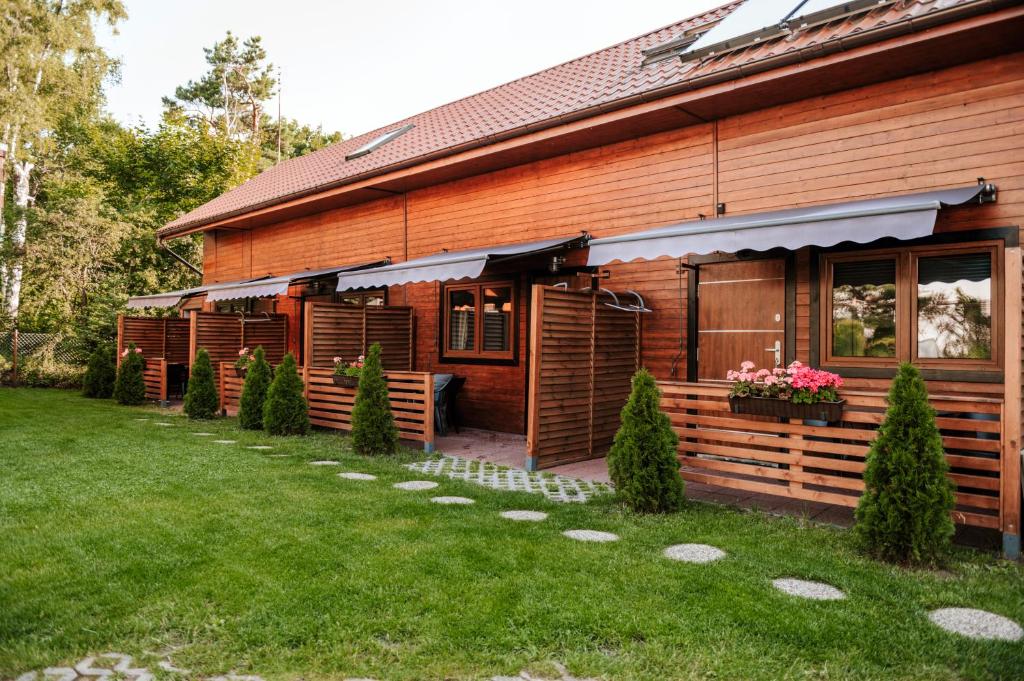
(34, 344)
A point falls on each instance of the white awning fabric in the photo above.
(905, 217)
(166, 299)
(467, 264)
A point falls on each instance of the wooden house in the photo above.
(842, 185)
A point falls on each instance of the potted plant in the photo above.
(347, 374)
(242, 363)
(795, 392)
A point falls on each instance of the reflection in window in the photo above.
(954, 307)
(497, 318)
(864, 309)
(461, 319)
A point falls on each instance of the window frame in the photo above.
(478, 353)
(907, 259)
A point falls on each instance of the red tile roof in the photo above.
(597, 79)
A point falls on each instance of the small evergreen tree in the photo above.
(100, 373)
(285, 411)
(129, 386)
(373, 425)
(254, 392)
(643, 461)
(201, 401)
(904, 514)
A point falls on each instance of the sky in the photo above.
(356, 66)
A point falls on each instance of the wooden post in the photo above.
(307, 340)
(163, 375)
(193, 330)
(163, 338)
(428, 416)
(1009, 473)
(220, 389)
(798, 455)
(533, 391)
(14, 355)
(120, 338)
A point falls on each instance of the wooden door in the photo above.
(741, 316)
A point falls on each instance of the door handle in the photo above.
(777, 349)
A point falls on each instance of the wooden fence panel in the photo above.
(392, 327)
(229, 388)
(616, 359)
(177, 340)
(146, 332)
(826, 463)
(270, 333)
(154, 375)
(347, 331)
(218, 333)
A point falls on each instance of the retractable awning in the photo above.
(278, 286)
(166, 299)
(454, 265)
(905, 217)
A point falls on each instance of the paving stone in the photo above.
(350, 475)
(532, 516)
(457, 501)
(978, 624)
(324, 463)
(278, 456)
(694, 553)
(203, 434)
(261, 448)
(138, 419)
(415, 485)
(225, 442)
(813, 590)
(591, 535)
(162, 423)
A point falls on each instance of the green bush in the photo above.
(904, 514)
(201, 400)
(254, 392)
(285, 412)
(129, 386)
(643, 461)
(100, 373)
(43, 372)
(373, 425)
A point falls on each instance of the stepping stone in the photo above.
(815, 591)
(415, 485)
(278, 456)
(348, 475)
(978, 624)
(142, 419)
(533, 516)
(259, 447)
(461, 501)
(324, 463)
(162, 423)
(694, 553)
(590, 535)
(225, 442)
(202, 434)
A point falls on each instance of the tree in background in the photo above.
(129, 386)
(100, 373)
(286, 411)
(904, 513)
(254, 392)
(373, 425)
(201, 401)
(643, 462)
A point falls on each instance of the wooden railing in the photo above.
(826, 462)
(330, 406)
(154, 375)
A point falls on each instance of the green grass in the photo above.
(120, 535)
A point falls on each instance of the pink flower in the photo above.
(732, 375)
(138, 351)
(243, 352)
(746, 365)
(337, 360)
(125, 353)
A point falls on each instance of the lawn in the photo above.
(119, 534)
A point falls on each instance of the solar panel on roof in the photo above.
(752, 20)
(810, 9)
(379, 141)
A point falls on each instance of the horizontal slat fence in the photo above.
(826, 463)
(223, 335)
(347, 331)
(270, 333)
(154, 375)
(157, 337)
(330, 406)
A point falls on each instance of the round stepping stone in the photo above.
(349, 475)
(459, 501)
(202, 434)
(590, 535)
(142, 419)
(978, 624)
(531, 516)
(415, 485)
(225, 442)
(694, 553)
(162, 423)
(324, 463)
(259, 447)
(813, 590)
(278, 456)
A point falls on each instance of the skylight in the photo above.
(379, 141)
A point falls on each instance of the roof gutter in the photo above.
(801, 55)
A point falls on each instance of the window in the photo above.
(479, 320)
(933, 305)
(246, 305)
(375, 298)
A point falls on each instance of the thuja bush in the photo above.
(201, 401)
(129, 386)
(285, 411)
(254, 392)
(373, 425)
(904, 514)
(100, 373)
(643, 462)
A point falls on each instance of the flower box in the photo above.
(346, 381)
(770, 406)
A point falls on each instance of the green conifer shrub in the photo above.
(373, 425)
(904, 514)
(254, 392)
(285, 411)
(201, 401)
(129, 386)
(643, 462)
(100, 373)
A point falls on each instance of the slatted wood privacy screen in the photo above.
(154, 375)
(223, 335)
(347, 331)
(157, 337)
(330, 406)
(826, 463)
(582, 357)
